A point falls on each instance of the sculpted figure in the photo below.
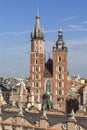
(47, 104)
(22, 89)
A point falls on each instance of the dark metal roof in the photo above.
(3, 88)
(49, 68)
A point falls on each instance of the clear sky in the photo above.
(17, 18)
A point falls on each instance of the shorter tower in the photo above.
(60, 72)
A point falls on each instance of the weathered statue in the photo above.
(47, 104)
(22, 89)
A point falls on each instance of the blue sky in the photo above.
(17, 18)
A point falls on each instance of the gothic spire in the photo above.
(37, 31)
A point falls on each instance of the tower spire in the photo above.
(37, 11)
(37, 31)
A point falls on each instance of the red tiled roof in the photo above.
(27, 126)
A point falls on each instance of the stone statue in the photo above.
(2, 101)
(22, 89)
(47, 104)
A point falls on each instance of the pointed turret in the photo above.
(37, 31)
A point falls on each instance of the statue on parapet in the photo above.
(22, 89)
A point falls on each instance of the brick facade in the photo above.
(50, 76)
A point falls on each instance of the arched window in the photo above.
(60, 77)
(36, 84)
(60, 92)
(59, 84)
(48, 86)
(59, 58)
(36, 68)
(60, 69)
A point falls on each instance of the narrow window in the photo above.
(36, 68)
(59, 58)
(59, 84)
(36, 84)
(60, 76)
(36, 61)
(59, 68)
(36, 76)
(60, 92)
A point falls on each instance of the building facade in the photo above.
(50, 76)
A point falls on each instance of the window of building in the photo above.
(48, 87)
(36, 76)
(60, 77)
(36, 84)
(60, 105)
(59, 59)
(35, 61)
(36, 68)
(36, 54)
(60, 93)
(58, 99)
(60, 69)
(59, 84)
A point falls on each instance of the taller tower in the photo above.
(60, 72)
(37, 60)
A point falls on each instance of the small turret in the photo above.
(60, 44)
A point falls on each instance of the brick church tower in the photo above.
(60, 72)
(50, 76)
(37, 60)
